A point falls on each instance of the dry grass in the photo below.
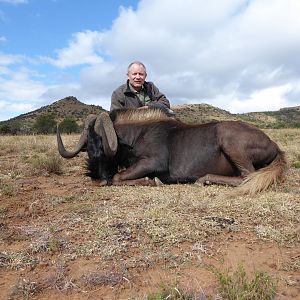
(111, 278)
(24, 289)
(289, 141)
(47, 164)
(47, 217)
(59, 278)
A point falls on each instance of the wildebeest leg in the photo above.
(236, 151)
(243, 164)
(135, 174)
(145, 181)
(219, 179)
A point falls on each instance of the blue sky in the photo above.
(239, 55)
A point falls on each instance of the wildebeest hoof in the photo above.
(201, 181)
(157, 181)
(103, 182)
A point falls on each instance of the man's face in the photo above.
(136, 75)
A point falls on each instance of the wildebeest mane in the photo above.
(136, 116)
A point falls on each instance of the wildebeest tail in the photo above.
(264, 178)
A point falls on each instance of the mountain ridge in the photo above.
(71, 107)
(202, 113)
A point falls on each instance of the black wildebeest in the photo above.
(153, 148)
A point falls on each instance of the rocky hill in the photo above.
(202, 113)
(70, 107)
(285, 117)
(67, 107)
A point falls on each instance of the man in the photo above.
(138, 93)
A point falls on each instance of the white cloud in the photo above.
(82, 49)
(239, 55)
(6, 59)
(207, 51)
(18, 87)
(214, 50)
(15, 2)
(15, 107)
(22, 88)
(272, 98)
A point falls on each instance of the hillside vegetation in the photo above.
(67, 108)
(288, 117)
(201, 113)
(72, 110)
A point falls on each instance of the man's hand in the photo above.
(143, 107)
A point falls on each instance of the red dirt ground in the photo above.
(227, 250)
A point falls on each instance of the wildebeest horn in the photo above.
(82, 141)
(105, 128)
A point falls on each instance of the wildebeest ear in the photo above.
(105, 128)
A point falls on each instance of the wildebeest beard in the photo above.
(99, 165)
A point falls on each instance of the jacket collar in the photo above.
(129, 91)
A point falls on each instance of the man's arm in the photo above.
(159, 97)
(115, 101)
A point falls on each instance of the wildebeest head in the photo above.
(100, 141)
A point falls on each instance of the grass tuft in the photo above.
(293, 265)
(50, 164)
(176, 292)
(295, 164)
(59, 279)
(7, 188)
(25, 288)
(102, 278)
(238, 286)
(48, 241)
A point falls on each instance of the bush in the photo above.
(45, 124)
(69, 125)
(13, 128)
(5, 129)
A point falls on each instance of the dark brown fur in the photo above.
(152, 148)
(225, 152)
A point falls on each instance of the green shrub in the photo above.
(7, 189)
(45, 124)
(170, 293)
(295, 164)
(69, 125)
(239, 287)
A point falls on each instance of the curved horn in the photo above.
(105, 128)
(82, 141)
